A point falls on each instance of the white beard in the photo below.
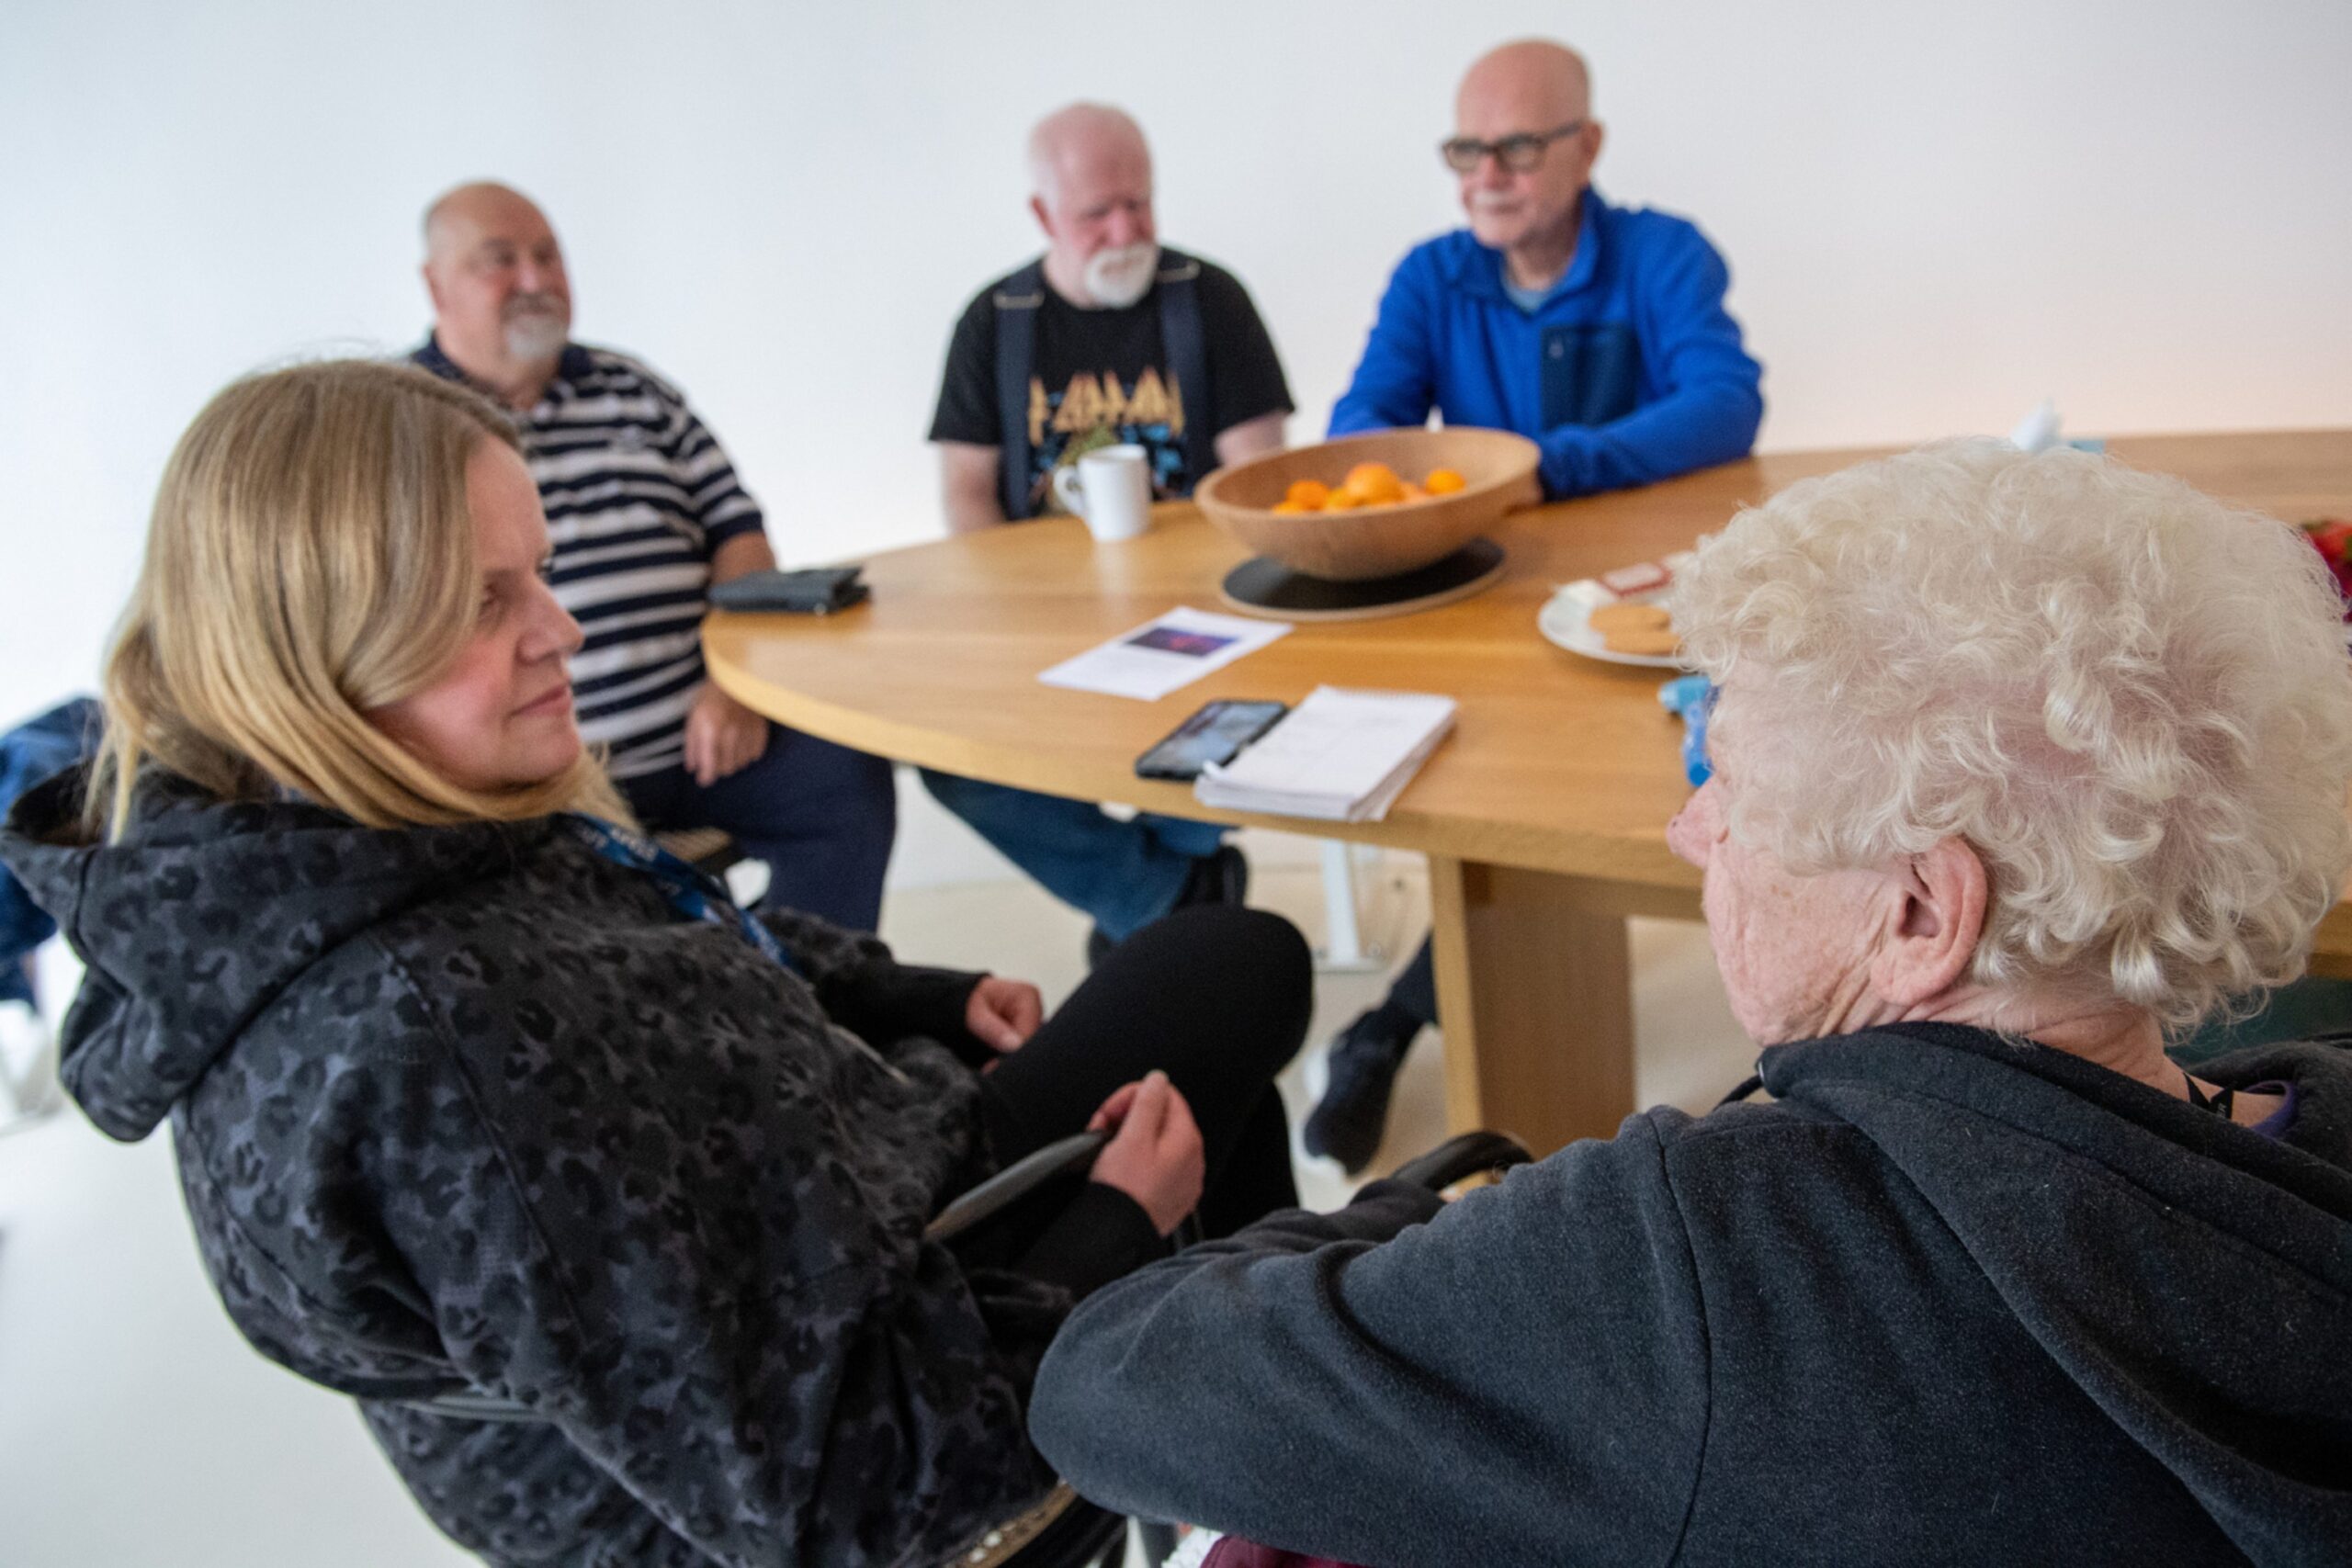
(535, 334)
(1116, 279)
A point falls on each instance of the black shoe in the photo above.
(1221, 877)
(1348, 1121)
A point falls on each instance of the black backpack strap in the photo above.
(1186, 343)
(1017, 301)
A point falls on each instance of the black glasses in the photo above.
(1517, 154)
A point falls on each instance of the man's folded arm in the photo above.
(1713, 402)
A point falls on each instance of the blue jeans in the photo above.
(1126, 875)
(820, 815)
(40, 746)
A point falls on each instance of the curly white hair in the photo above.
(2132, 701)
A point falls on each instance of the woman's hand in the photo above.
(1004, 1014)
(1154, 1156)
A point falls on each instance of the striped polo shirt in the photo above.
(638, 496)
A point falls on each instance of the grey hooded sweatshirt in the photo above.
(1949, 1300)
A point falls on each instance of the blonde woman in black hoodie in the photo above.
(473, 1091)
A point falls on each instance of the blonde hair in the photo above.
(311, 559)
(2131, 700)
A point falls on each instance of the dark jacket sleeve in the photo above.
(831, 1392)
(871, 994)
(1522, 1378)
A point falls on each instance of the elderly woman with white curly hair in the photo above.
(2020, 764)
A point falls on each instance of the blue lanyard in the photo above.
(690, 892)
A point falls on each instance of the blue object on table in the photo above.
(1691, 697)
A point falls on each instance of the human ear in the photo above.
(1937, 919)
(1038, 210)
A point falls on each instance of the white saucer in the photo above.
(1563, 619)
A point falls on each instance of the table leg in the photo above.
(1535, 997)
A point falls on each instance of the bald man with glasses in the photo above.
(1599, 332)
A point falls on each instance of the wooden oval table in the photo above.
(1542, 817)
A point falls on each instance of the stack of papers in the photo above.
(1341, 756)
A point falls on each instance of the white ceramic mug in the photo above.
(1111, 488)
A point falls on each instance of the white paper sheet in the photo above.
(1164, 654)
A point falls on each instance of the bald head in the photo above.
(1090, 176)
(1070, 144)
(501, 305)
(464, 210)
(1539, 83)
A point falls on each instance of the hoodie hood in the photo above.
(203, 913)
(2194, 1277)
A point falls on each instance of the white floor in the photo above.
(137, 1429)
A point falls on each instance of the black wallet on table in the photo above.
(818, 591)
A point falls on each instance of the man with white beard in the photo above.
(645, 514)
(1110, 338)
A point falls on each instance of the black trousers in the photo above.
(1216, 996)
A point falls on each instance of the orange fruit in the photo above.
(1375, 484)
(1291, 507)
(1414, 492)
(1307, 494)
(1443, 482)
(1342, 501)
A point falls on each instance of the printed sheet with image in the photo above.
(1163, 654)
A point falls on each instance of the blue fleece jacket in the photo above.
(1630, 372)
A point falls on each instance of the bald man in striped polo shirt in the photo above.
(646, 514)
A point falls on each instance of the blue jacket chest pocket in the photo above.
(1590, 375)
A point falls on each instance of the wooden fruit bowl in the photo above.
(1374, 541)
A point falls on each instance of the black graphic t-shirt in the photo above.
(1102, 377)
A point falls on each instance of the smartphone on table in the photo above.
(1216, 734)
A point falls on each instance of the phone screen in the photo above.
(1216, 734)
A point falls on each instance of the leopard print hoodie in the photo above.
(470, 1109)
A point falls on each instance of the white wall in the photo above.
(1935, 214)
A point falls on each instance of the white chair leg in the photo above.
(1343, 951)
